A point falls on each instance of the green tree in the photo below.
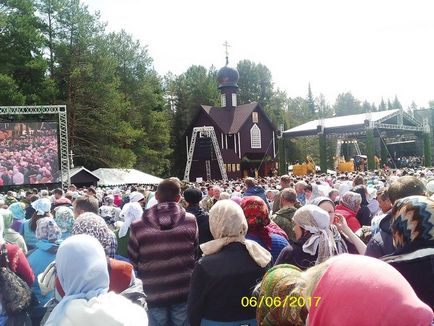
(255, 83)
(389, 105)
(324, 108)
(382, 106)
(311, 102)
(277, 108)
(142, 95)
(21, 44)
(9, 92)
(347, 104)
(366, 107)
(187, 92)
(396, 104)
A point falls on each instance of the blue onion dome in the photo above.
(228, 77)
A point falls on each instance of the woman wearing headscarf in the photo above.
(17, 263)
(348, 208)
(64, 217)
(121, 273)
(312, 191)
(18, 214)
(314, 239)
(48, 234)
(364, 215)
(360, 290)
(346, 240)
(82, 271)
(413, 238)
(108, 211)
(257, 215)
(94, 225)
(131, 212)
(10, 235)
(230, 268)
(280, 282)
(42, 208)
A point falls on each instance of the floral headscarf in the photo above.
(64, 218)
(42, 206)
(413, 220)
(47, 229)
(94, 225)
(280, 282)
(350, 200)
(108, 200)
(17, 211)
(256, 212)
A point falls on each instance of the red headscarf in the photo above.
(360, 290)
(256, 212)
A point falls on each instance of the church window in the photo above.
(255, 118)
(255, 137)
(231, 143)
(223, 100)
(234, 99)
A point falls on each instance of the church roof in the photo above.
(230, 120)
(349, 121)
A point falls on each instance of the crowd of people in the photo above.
(29, 158)
(341, 249)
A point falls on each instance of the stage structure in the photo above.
(60, 112)
(380, 127)
(205, 133)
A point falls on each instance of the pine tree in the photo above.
(396, 104)
(311, 102)
(382, 106)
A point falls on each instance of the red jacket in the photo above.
(350, 217)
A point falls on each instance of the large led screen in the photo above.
(29, 153)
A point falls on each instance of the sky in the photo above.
(373, 48)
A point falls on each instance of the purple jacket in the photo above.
(162, 248)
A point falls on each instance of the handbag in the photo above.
(16, 294)
(47, 279)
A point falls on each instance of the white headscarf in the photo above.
(42, 206)
(136, 196)
(317, 221)
(228, 224)
(81, 266)
(130, 212)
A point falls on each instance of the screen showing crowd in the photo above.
(29, 153)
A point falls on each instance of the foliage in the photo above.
(347, 104)
(121, 113)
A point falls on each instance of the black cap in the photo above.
(192, 196)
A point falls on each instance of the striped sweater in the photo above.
(162, 247)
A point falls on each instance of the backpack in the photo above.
(16, 294)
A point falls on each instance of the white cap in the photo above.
(136, 196)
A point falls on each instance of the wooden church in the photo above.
(246, 138)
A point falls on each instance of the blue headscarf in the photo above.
(17, 211)
(82, 270)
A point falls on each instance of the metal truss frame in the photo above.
(60, 111)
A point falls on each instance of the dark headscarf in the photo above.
(413, 220)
